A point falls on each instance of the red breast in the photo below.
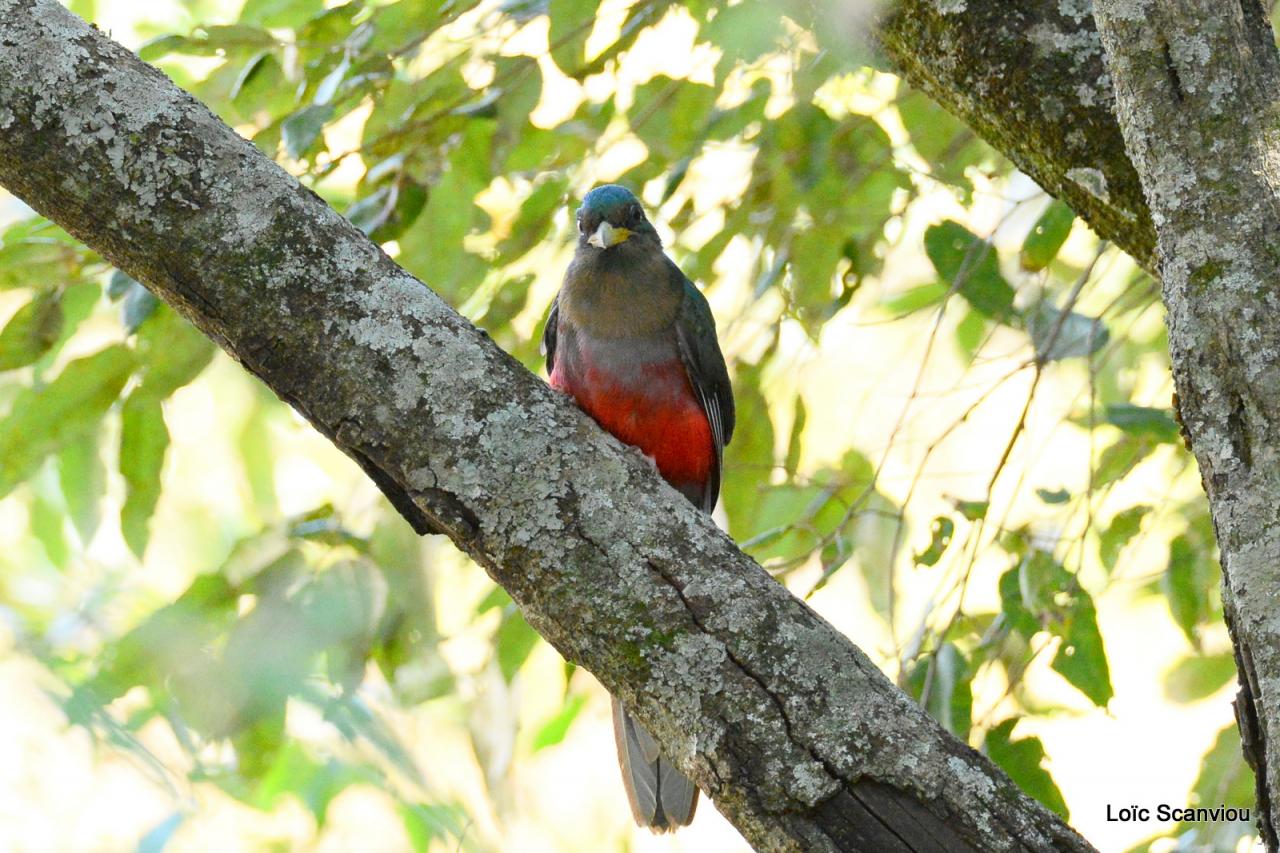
(660, 415)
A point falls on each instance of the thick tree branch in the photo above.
(1198, 95)
(1030, 79)
(797, 736)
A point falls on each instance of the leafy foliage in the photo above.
(458, 135)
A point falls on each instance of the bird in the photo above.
(633, 341)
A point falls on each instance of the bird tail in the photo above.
(662, 798)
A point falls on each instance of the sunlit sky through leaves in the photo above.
(1022, 544)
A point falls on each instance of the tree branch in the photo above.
(1198, 92)
(799, 739)
(1029, 78)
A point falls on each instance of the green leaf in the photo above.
(971, 331)
(815, 253)
(1196, 677)
(44, 420)
(941, 682)
(1123, 527)
(910, 301)
(973, 510)
(423, 823)
(330, 28)
(143, 441)
(795, 444)
(407, 651)
(1224, 779)
(32, 331)
(553, 731)
(279, 13)
(158, 48)
(946, 144)
(535, 218)
(301, 129)
(83, 478)
(208, 41)
(36, 253)
(1056, 337)
(969, 264)
(1040, 594)
(727, 122)
(513, 643)
(1224, 775)
(1047, 236)
(1023, 760)
(521, 91)
(748, 460)
(77, 304)
(743, 33)
(315, 783)
(1144, 422)
(397, 25)
(434, 247)
(1057, 496)
(1185, 582)
(174, 351)
(389, 210)
(1081, 658)
(169, 649)
(262, 89)
(571, 25)
(46, 525)
(328, 87)
(495, 599)
(255, 452)
(670, 115)
(942, 530)
(1119, 458)
(1012, 607)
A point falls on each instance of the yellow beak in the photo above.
(606, 235)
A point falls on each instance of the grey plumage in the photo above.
(662, 798)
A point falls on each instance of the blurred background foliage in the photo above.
(955, 439)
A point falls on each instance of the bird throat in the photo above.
(620, 294)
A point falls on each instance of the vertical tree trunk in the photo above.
(1198, 99)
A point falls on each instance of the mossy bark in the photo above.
(801, 742)
(1030, 79)
(1198, 99)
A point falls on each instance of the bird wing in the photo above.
(704, 363)
(549, 334)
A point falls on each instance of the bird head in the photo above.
(610, 216)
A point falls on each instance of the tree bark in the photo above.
(800, 740)
(1029, 78)
(1198, 95)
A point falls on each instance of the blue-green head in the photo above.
(610, 216)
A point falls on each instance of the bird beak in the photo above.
(606, 235)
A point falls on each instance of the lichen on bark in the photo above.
(1198, 90)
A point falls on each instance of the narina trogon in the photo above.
(632, 340)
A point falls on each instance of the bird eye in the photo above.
(637, 214)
